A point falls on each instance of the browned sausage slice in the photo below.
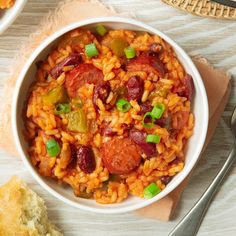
(80, 75)
(148, 63)
(120, 156)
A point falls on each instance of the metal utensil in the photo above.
(228, 3)
(190, 224)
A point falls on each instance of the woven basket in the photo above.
(204, 8)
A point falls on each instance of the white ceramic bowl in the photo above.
(7, 16)
(193, 149)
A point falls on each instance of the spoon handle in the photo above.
(191, 222)
(229, 3)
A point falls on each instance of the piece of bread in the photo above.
(23, 212)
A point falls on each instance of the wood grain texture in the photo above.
(215, 40)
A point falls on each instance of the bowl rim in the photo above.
(56, 35)
(15, 10)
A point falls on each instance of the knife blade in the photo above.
(228, 3)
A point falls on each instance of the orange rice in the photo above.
(4, 4)
(42, 123)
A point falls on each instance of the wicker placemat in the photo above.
(204, 8)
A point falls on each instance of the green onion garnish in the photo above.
(130, 52)
(62, 108)
(101, 30)
(91, 50)
(53, 147)
(77, 102)
(153, 138)
(148, 125)
(158, 110)
(123, 105)
(151, 190)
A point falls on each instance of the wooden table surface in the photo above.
(215, 40)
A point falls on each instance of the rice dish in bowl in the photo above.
(97, 111)
(109, 114)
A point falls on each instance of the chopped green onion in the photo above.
(158, 110)
(62, 108)
(153, 138)
(91, 50)
(148, 124)
(101, 30)
(130, 52)
(123, 105)
(53, 147)
(151, 190)
(77, 102)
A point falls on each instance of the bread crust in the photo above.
(16, 201)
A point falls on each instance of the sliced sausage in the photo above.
(80, 75)
(120, 156)
(148, 62)
(74, 59)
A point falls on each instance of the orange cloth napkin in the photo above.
(216, 82)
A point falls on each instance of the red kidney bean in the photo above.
(86, 159)
(189, 86)
(139, 138)
(155, 47)
(145, 107)
(101, 91)
(175, 161)
(166, 179)
(126, 128)
(73, 59)
(107, 131)
(161, 122)
(135, 87)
